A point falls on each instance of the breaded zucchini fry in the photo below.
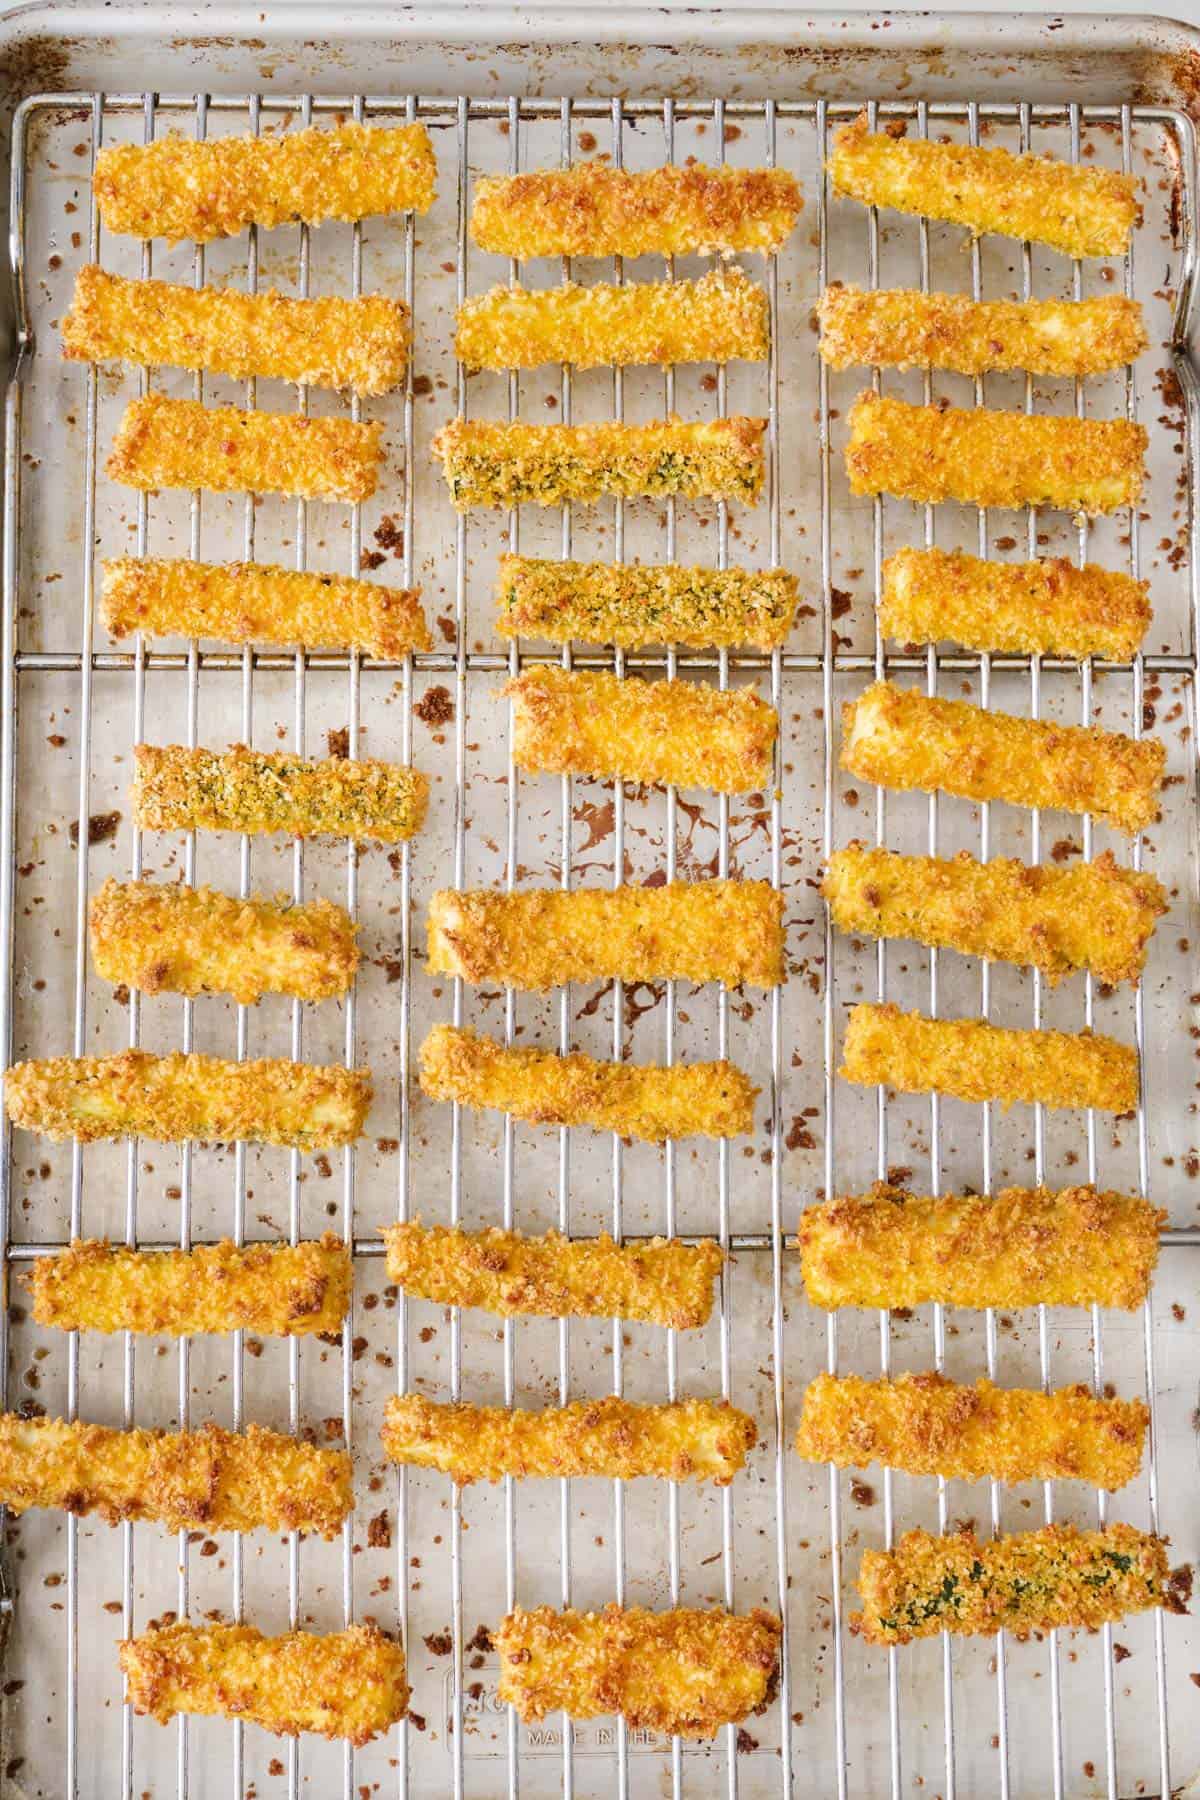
(687, 1440)
(1080, 211)
(727, 931)
(590, 722)
(340, 1684)
(596, 210)
(632, 604)
(163, 443)
(183, 940)
(973, 1060)
(218, 1480)
(926, 1425)
(275, 1290)
(261, 790)
(359, 343)
(904, 739)
(178, 188)
(1056, 918)
(173, 1098)
(1024, 1247)
(686, 1672)
(490, 464)
(1048, 607)
(662, 1282)
(1032, 1581)
(903, 328)
(258, 603)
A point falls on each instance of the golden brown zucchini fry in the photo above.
(632, 604)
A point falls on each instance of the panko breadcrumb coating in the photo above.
(260, 603)
(633, 604)
(1053, 917)
(1080, 211)
(163, 443)
(171, 1099)
(971, 1059)
(359, 343)
(274, 1290)
(727, 931)
(662, 1282)
(902, 738)
(596, 210)
(175, 789)
(986, 458)
(210, 1479)
(1046, 607)
(686, 1440)
(689, 733)
(340, 1684)
(178, 188)
(490, 464)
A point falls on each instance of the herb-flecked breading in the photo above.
(635, 604)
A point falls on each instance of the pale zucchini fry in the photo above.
(1022, 1247)
(361, 343)
(259, 790)
(275, 1290)
(208, 1479)
(686, 1440)
(182, 940)
(687, 733)
(904, 739)
(596, 210)
(489, 464)
(163, 443)
(171, 1099)
(903, 328)
(662, 1282)
(340, 1684)
(178, 188)
(985, 458)
(1080, 211)
(1053, 917)
(1047, 607)
(1033, 1581)
(633, 604)
(727, 931)
(971, 1059)
(686, 1672)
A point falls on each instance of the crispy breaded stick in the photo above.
(183, 940)
(163, 443)
(489, 464)
(904, 739)
(632, 604)
(986, 458)
(1092, 915)
(260, 790)
(590, 722)
(174, 1098)
(926, 1425)
(1048, 607)
(973, 1060)
(727, 931)
(1022, 1247)
(178, 188)
(340, 1684)
(662, 1282)
(1032, 1581)
(903, 328)
(220, 1480)
(258, 603)
(1082, 212)
(360, 343)
(277, 1290)
(596, 210)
